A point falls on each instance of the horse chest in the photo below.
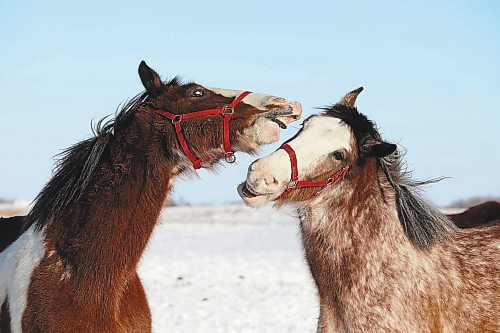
(17, 264)
(363, 287)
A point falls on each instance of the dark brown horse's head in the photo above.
(255, 121)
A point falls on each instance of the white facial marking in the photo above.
(320, 136)
(257, 100)
(265, 130)
(17, 263)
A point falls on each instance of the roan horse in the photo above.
(74, 267)
(382, 258)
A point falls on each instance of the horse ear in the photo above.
(150, 79)
(350, 98)
(378, 149)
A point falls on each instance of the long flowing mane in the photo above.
(76, 166)
(422, 223)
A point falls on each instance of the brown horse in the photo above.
(10, 229)
(477, 215)
(382, 258)
(74, 267)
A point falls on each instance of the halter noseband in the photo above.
(226, 111)
(295, 183)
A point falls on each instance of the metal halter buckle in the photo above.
(292, 184)
(230, 158)
(227, 110)
(176, 119)
(320, 190)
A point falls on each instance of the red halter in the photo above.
(295, 183)
(226, 111)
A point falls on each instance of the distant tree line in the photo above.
(2, 200)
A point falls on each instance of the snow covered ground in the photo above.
(228, 269)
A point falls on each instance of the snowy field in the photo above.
(228, 269)
(225, 269)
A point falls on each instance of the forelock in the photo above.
(360, 125)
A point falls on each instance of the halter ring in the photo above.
(227, 110)
(176, 119)
(230, 158)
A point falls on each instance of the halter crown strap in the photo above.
(226, 111)
(295, 183)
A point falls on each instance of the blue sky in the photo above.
(431, 72)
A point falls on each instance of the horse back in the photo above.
(10, 230)
(477, 215)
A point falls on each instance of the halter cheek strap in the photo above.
(295, 183)
(226, 111)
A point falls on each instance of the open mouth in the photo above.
(247, 192)
(282, 117)
(251, 198)
(280, 123)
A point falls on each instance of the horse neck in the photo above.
(106, 231)
(351, 234)
(367, 271)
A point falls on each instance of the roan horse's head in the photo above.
(231, 120)
(326, 146)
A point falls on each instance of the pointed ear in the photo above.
(150, 79)
(378, 149)
(350, 98)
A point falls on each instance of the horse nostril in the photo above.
(271, 181)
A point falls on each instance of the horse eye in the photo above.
(338, 155)
(198, 93)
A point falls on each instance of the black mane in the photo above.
(76, 166)
(422, 223)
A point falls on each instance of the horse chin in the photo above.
(268, 131)
(252, 200)
(267, 126)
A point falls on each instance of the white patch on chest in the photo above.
(17, 263)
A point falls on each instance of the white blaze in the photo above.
(257, 100)
(320, 136)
